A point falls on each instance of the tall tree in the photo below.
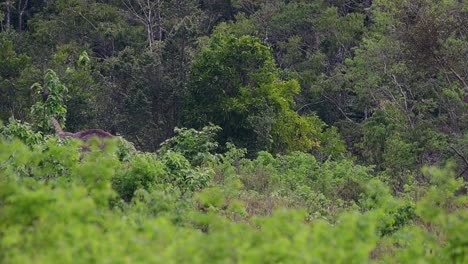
(235, 84)
(8, 13)
(160, 17)
(148, 13)
(408, 79)
(17, 73)
(310, 39)
(22, 6)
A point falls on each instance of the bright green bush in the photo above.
(145, 171)
(20, 130)
(181, 174)
(60, 205)
(195, 146)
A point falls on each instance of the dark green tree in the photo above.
(17, 73)
(235, 84)
(408, 78)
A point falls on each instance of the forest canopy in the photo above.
(314, 131)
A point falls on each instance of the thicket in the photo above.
(248, 131)
(58, 203)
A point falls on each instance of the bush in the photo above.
(20, 130)
(145, 171)
(180, 173)
(196, 146)
(54, 204)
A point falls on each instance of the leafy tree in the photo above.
(143, 85)
(145, 106)
(310, 40)
(75, 67)
(51, 103)
(235, 84)
(23, 131)
(16, 75)
(401, 76)
(160, 17)
(195, 146)
(97, 26)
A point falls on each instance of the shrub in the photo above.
(145, 171)
(180, 173)
(22, 131)
(195, 146)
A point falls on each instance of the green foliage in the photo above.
(145, 172)
(16, 75)
(296, 180)
(407, 82)
(235, 84)
(445, 211)
(20, 130)
(125, 149)
(148, 171)
(53, 106)
(73, 204)
(328, 109)
(74, 66)
(195, 146)
(181, 174)
(225, 83)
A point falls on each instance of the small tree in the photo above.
(52, 104)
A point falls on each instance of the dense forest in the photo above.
(233, 131)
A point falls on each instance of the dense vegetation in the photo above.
(300, 131)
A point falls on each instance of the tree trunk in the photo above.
(8, 14)
(21, 13)
(158, 22)
(150, 35)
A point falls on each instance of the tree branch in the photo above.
(339, 108)
(463, 158)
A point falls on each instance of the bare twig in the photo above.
(465, 85)
(463, 158)
(339, 108)
(306, 105)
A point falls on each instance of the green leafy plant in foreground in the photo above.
(59, 205)
(20, 130)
